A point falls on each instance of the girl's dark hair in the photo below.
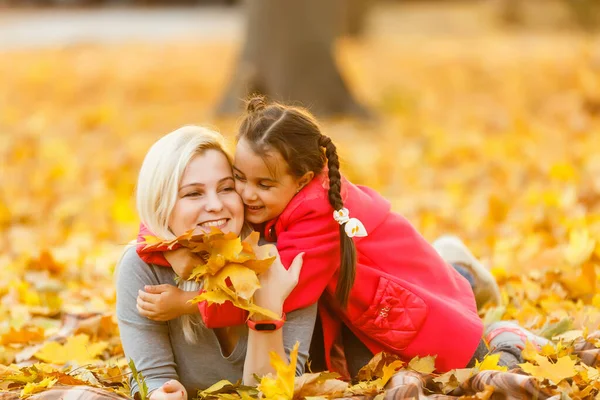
(295, 134)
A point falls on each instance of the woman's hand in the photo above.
(164, 302)
(171, 390)
(183, 261)
(277, 283)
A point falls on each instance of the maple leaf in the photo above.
(374, 368)
(453, 379)
(280, 386)
(324, 384)
(387, 372)
(589, 374)
(77, 349)
(150, 241)
(490, 362)
(425, 365)
(530, 351)
(569, 336)
(22, 336)
(244, 280)
(580, 248)
(32, 388)
(555, 372)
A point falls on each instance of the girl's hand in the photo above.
(164, 302)
(277, 283)
(182, 261)
(171, 390)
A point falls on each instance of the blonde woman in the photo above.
(186, 182)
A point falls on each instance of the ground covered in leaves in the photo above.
(494, 138)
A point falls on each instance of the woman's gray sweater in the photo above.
(159, 349)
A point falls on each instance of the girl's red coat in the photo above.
(405, 300)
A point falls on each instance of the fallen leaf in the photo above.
(77, 349)
(425, 365)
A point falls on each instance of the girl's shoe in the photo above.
(511, 334)
(454, 252)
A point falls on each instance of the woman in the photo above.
(186, 183)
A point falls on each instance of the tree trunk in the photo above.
(288, 57)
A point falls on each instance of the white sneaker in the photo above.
(454, 251)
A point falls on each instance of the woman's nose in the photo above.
(213, 203)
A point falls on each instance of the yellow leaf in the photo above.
(230, 246)
(323, 384)
(244, 280)
(389, 371)
(555, 372)
(490, 362)
(596, 300)
(374, 368)
(214, 388)
(569, 336)
(259, 266)
(22, 336)
(280, 386)
(590, 374)
(75, 349)
(425, 365)
(213, 296)
(580, 248)
(150, 240)
(32, 388)
(563, 172)
(454, 378)
(198, 272)
(530, 351)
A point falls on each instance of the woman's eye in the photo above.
(192, 194)
(228, 189)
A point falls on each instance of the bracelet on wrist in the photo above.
(266, 325)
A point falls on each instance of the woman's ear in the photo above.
(305, 180)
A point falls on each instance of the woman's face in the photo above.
(206, 197)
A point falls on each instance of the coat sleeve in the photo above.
(154, 255)
(311, 230)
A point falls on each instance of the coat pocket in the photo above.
(394, 317)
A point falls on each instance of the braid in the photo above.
(347, 248)
(335, 179)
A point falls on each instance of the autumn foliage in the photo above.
(495, 140)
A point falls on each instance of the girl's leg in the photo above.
(357, 354)
(455, 253)
(508, 339)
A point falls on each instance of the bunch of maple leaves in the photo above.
(230, 267)
(495, 141)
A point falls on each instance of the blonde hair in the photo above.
(158, 185)
(162, 170)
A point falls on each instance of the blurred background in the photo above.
(479, 118)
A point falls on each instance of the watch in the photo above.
(266, 325)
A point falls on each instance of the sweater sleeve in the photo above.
(316, 234)
(144, 341)
(153, 255)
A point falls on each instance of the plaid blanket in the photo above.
(496, 385)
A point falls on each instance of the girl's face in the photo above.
(266, 189)
(207, 197)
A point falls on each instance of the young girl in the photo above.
(186, 183)
(380, 285)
